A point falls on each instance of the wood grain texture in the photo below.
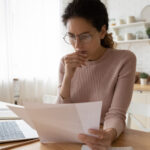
(137, 139)
(140, 87)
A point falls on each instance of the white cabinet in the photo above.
(141, 97)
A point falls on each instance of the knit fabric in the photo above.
(109, 79)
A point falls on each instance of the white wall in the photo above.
(65, 47)
(121, 9)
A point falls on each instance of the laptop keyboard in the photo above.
(10, 130)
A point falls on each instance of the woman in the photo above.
(95, 71)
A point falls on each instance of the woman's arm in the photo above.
(67, 69)
(115, 117)
(65, 87)
(64, 84)
(114, 122)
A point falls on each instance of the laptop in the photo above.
(16, 130)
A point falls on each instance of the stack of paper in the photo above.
(6, 113)
(85, 147)
(60, 122)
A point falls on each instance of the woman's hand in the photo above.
(101, 139)
(74, 60)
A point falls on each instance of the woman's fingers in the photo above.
(103, 141)
(75, 56)
(99, 141)
(82, 55)
(75, 60)
(89, 139)
(100, 133)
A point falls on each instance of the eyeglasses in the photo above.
(83, 38)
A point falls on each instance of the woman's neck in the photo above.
(99, 54)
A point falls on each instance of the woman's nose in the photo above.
(77, 43)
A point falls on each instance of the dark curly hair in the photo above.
(92, 10)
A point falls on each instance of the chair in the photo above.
(136, 109)
(50, 99)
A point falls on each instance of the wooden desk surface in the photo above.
(137, 139)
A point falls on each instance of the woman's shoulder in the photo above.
(122, 54)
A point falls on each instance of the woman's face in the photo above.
(84, 37)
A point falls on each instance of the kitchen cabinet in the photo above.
(141, 97)
(137, 30)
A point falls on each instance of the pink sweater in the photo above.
(109, 79)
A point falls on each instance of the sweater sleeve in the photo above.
(60, 99)
(115, 117)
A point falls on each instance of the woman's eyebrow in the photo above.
(80, 33)
(70, 33)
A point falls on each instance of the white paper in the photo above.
(85, 147)
(21, 112)
(62, 122)
(89, 114)
(4, 106)
(121, 148)
(6, 113)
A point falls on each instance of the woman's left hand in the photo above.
(101, 139)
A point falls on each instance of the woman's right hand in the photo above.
(74, 60)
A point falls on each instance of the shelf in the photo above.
(139, 87)
(133, 41)
(130, 25)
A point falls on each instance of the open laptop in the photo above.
(16, 130)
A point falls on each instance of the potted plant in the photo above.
(143, 78)
(148, 32)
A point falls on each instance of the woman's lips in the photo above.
(83, 52)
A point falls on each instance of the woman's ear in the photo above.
(103, 32)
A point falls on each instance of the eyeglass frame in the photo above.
(88, 37)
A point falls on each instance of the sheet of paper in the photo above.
(63, 122)
(6, 113)
(4, 105)
(89, 115)
(60, 122)
(21, 112)
(121, 148)
(85, 147)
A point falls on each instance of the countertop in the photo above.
(140, 87)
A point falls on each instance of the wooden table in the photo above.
(137, 139)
